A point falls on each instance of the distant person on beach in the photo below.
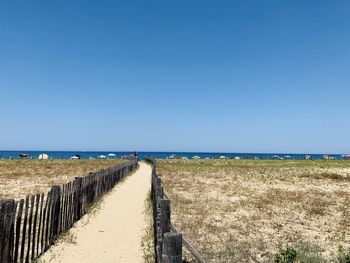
(134, 156)
(10, 158)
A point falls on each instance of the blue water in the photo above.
(164, 155)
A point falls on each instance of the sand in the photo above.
(112, 231)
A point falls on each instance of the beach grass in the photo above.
(19, 178)
(251, 210)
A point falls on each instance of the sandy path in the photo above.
(112, 232)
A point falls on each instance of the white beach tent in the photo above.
(43, 156)
(102, 157)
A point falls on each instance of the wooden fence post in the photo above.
(35, 222)
(57, 190)
(165, 215)
(18, 229)
(78, 204)
(172, 248)
(7, 216)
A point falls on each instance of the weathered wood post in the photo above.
(164, 215)
(56, 190)
(7, 218)
(172, 248)
(79, 198)
(18, 229)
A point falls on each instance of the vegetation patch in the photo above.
(19, 178)
(147, 235)
(243, 210)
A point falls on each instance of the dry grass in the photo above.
(246, 211)
(147, 239)
(19, 178)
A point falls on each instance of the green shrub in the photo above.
(288, 255)
(309, 252)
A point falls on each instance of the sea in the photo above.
(166, 155)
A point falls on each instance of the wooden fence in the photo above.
(28, 227)
(168, 241)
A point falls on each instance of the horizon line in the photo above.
(145, 151)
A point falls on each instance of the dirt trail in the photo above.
(112, 232)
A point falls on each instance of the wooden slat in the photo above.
(56, 211)
(82, 193)
(51, 222)
(79, 198)
(35, 223)
(47, 223)
(24, 231)
(62, 209)
(70, 201)
(38, 250)
(8, 210)
(64, 216)
(67, 207)
(43, 231)
(18, 229)
(29, 243)
(66, 198)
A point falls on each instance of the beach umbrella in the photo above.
(237, 158)
(112, 155)
(43, 156)
(222, 157)
(74, 157)
(196, 157)
(102, 157)
(347, 156)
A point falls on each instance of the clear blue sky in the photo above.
(175, 75)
